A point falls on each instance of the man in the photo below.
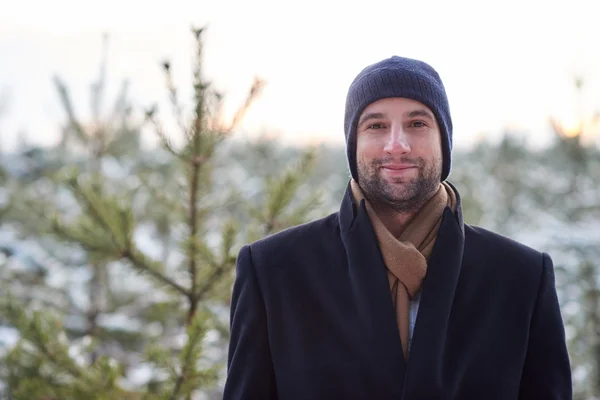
(394, 297)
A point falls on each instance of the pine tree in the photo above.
(90, 204)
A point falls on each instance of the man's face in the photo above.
(399, 154)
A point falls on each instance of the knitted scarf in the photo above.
(406, 256)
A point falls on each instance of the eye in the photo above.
(418, 124)
(376, 125)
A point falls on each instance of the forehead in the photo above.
(394, 105)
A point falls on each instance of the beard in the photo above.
(401, 194)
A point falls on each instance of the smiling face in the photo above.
(398, 154)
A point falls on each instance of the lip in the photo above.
(398, 167)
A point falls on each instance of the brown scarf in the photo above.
(406, 256)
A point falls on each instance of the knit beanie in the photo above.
(398, 77)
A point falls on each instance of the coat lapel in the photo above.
(372, 299)
(425, 370)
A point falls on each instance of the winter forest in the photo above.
(117, 258)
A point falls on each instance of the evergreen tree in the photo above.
(137, 251)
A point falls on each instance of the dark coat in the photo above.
(312, 318)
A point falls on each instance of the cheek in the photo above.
(367, 149)
(360, 150)
(429, 147)
(437, 149)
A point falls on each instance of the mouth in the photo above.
(394, 172)
(397, 167)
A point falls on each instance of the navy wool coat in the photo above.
(312, 318)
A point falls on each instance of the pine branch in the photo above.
(193, 226)
(96, 286)
(160, 197)
(281, 190)
(199, 87)
(218, 270)
(211, 281)
(99, 86)
(121, 108)
(227, 243)
(27, 296)
(255, 90)
(30, 211)
(189, 377)
(45, 339)
(195, 166)
(6, 209)
(181, 378)
(205, 255)
(84, 239)
(143, 264)
(300, 213)
(177, 108)
(38, 340)
(68, 106)
(158, 129)
(98, 208)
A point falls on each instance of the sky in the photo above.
(504, 64)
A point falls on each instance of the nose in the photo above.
(397, 142)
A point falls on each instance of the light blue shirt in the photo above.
(412, 319)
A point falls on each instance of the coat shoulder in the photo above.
(298, 238)
(490, 248)
(481, 239)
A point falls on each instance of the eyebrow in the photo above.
(369, 116)
(420, 113)
(377, 115)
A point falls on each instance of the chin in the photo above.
(398, 181)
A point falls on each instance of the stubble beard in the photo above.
(400, 195)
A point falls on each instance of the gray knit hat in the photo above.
(398, 77)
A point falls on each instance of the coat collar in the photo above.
(368, 277)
